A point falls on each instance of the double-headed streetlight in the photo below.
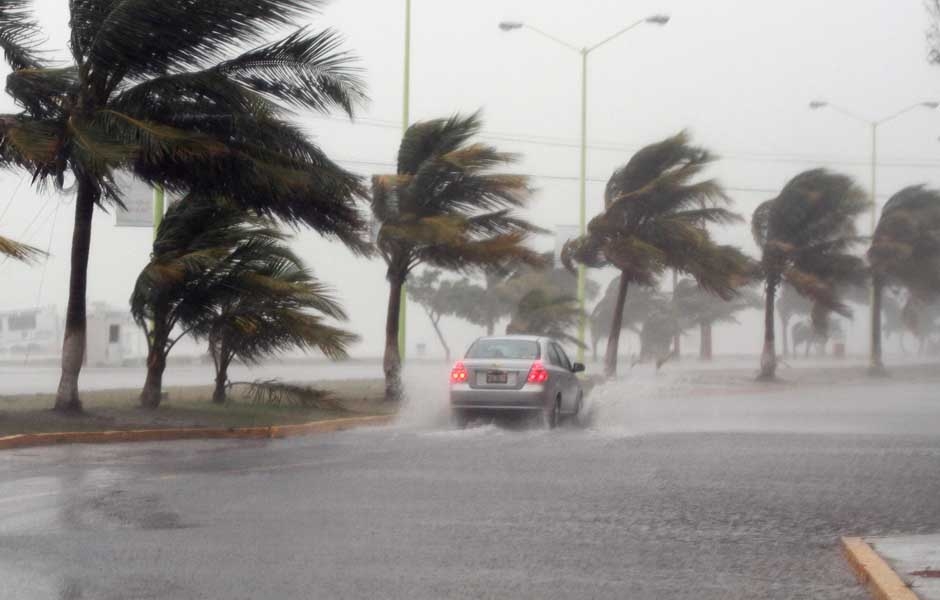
(584, 52)
(874, 124)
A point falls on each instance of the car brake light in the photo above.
(537, 374)
(458, 374)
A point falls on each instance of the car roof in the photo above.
(524, 338)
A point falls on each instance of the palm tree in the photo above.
(655, 218)
(805, 235)
(542, 313)
(281, 308)
(445, 208)
(905, 251)
(150, 91)
(202, 248)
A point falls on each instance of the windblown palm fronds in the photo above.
(184, 95)
(446, 208)
(656, 215)
(806, 235)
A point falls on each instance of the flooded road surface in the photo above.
(664, 492)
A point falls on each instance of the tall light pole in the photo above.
(584, 52)
(405, 121)
(875, 365)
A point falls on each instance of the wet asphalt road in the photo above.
(742, 499)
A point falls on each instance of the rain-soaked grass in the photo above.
(187, 407)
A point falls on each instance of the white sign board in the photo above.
(138, 198)
(563, 233)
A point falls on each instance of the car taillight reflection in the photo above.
(458, 374)
(537, 374)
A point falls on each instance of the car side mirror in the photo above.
(577, 368)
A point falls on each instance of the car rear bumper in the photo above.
(467, 398)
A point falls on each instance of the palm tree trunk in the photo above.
(221, 376)
(613, 339)
(705, 346)
(768, 359)
(876, 366)
(490, 327)
(785, 333)
(440, 336)
(391, 362)
(73, 346)
(152, 393)
(594, 341)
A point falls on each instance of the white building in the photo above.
(113, 338)
(34, 333)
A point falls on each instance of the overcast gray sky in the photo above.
(737, 73)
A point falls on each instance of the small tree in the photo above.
(905, 252)
(791, 304)
(655, 217)
(698, 308)
(637, 308)
(202, 247)
(541, 313)
(445, 208)
(281, 307)
(438, 299)
(805, 235)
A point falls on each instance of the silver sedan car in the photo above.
(516, 373)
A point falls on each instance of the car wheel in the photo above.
(550, 414)
(461, 418)
(576, 415)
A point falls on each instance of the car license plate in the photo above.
(497, 377)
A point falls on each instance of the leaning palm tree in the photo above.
(905, 252)
(202, 248)
(282, 307)
(445, 208)
(655, 217)
(159, 90)
(805, 236)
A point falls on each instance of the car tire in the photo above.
(461, 418)
(576, 415)
(551, 413)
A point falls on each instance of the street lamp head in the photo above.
(931, 105)
(658, 19)
(510, 25)
(817, 104)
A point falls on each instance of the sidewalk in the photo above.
(899, 567)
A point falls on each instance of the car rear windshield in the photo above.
(508, 349)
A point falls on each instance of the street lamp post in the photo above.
(405, 121)
(875, 365)
(584, 52)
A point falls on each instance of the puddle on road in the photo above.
(644, 401)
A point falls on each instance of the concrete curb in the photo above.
(27, 440)
(874, 572)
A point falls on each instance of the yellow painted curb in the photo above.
(873, 571)
(159, 435)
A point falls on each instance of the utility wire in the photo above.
(917, 163)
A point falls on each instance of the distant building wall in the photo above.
(31, 332)
(113, 337)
